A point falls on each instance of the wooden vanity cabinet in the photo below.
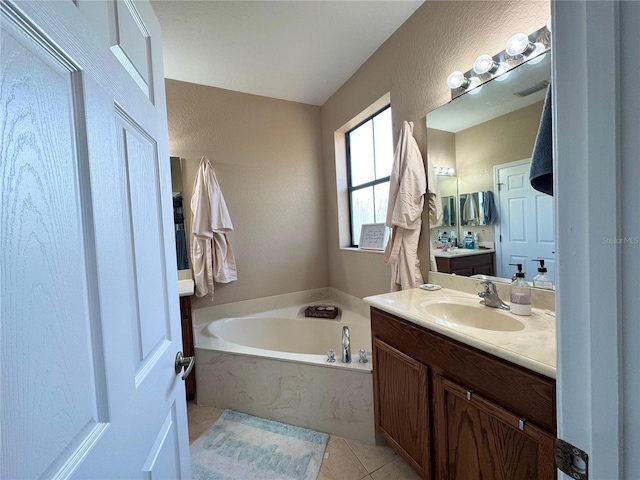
(401, 400)
(187, 344)
(485, 418)
(482, 263)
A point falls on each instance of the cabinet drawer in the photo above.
(470, 265)
(521, 391)
(472, 261)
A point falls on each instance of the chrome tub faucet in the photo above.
(490, 296)
(346, 345)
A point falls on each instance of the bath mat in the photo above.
(243, 447)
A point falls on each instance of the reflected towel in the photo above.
(541, 172)
(470, 212)
(490, 211)
(181, 250)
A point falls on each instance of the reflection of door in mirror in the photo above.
(476, 132)
(529, 216)
(178, 214)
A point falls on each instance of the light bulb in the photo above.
(474, 82)
(518, 44)
(503, 77)
(457, 80)
(549, 24)
(537, 55)
(484, 64)
(475, 90)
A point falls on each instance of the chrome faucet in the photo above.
(346, 345)
(490, 296)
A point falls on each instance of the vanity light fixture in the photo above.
(457, 80)
(485, 64)
(520, 48)
(518, 44)
(444, 171)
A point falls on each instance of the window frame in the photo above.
(350, 187)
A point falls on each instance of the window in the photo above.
(369, 162)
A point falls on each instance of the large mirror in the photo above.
(178, 214)
(487, 136)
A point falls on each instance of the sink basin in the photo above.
(463, 314)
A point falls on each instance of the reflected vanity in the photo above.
(487, 136)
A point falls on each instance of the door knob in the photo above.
(186, 363)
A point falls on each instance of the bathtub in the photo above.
(264, 358)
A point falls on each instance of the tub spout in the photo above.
(346, 345)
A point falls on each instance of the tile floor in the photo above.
(348, 459)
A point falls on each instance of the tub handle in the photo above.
(186, 363)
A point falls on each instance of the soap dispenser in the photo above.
(541, 280)
(520, 293)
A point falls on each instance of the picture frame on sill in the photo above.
(373, 236)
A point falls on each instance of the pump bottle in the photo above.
(541, 280)
(520, 293)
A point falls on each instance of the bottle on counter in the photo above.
(468, 241)
(520, 293)
(541, 280)
(453, 238)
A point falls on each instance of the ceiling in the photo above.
(293, 50)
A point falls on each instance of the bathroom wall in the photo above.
(267, 156)
(442, 148)
(412, 66)
(504, 139)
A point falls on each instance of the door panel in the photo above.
(89, 317)
(48, 265)
(402, 415)
(526, 229)
(151, 323)
(131, 44)
(161, 462)
(484, 441)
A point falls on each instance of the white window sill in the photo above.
(355, 249)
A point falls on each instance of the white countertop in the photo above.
(533, 347)
(185, 283)
(461, 252)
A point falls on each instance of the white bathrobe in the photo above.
(211, 256)
(407, 187)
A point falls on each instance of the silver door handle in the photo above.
(184, 362)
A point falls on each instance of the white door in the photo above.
(596, 110)
(525, 231)
(89, 319)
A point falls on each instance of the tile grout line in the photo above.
(357, 458)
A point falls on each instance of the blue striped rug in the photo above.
(243, 447)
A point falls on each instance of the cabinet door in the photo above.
(477, 439)
(187, 344)
(401, 408)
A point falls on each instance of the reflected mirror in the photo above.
(178, 213)
(448, 186)
(487, 135)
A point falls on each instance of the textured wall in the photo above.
(267, 157)
(504, 139)
(413, 65)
